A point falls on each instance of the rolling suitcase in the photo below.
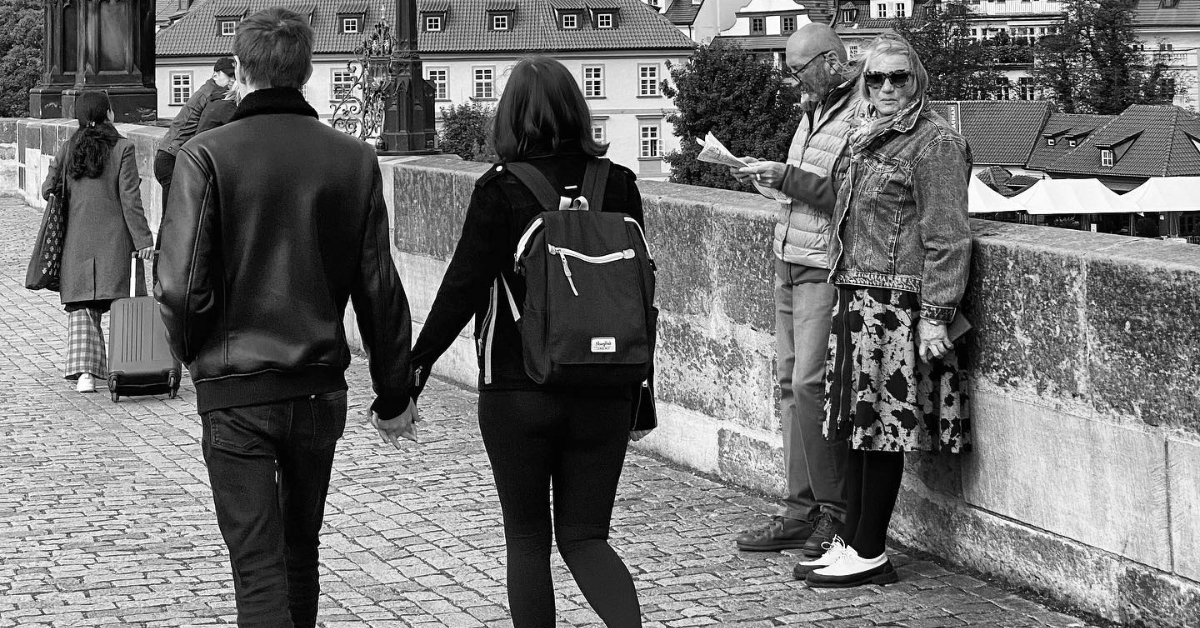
(139, 359)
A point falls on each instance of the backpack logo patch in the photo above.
(604, 344)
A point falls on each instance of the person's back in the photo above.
(275, 221)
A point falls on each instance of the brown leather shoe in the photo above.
(780, 534)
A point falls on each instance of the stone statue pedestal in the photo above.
(97, 44)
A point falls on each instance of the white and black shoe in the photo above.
(852, 570)
(833, 550)
(86, 383)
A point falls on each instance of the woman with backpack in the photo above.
(569, 439)
(97, 170)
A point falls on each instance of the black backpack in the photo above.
(588, 318)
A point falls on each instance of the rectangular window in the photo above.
(593, 81)
(499, 22)
(342, 82)
(852, 50)
(181, 87)
(228, 28)
(650, 141)
(350, 25)
(882, 9)
(438, 77)
(570, 20)
(485, 83)
(604, 20)
(1106, 158)
(1028, 92)
(598, 132)
(901, 10)
(758, 25)
(788, 24)
(433, 22)
(647, 80)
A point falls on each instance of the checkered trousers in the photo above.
(85, 345)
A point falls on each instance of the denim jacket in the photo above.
(901, 215)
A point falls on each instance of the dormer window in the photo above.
(849, 15)
(1106, 158)
(1072, 143)
(350, 25)
(433, 22)
(227, 28)
(500, 21)
(1050, 141)
(605, 20)
(1169, 4)
(570, 21)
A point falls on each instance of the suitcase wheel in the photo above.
(173, 383)
(112, 387)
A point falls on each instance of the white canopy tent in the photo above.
(1073, 196)
(1168, 196)
(982, 199)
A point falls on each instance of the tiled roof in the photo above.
(999, 131)
(1184, 13)
(1147, 141)
(864, 24)
(682, 12)
(1062, 126)
(758, 42)
(164, 10)
(534, 28)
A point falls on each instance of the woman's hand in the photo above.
(766, 173)
(933, 340)
(146, 253)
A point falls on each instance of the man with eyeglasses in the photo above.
(815, 506)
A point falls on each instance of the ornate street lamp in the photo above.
(389, 99)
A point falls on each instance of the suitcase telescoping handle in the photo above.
(133, 264)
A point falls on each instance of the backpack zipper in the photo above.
(563, 253)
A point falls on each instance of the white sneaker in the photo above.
(86, 384)
(833, 550)
(852, 570)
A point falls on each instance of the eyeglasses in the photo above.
(898, 78)
(788, 72)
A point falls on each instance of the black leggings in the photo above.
(577, 443)
(872, 485)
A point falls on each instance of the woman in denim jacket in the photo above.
(900, 255)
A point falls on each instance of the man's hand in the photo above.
(145, 253)
(637, 435)
(765, 173)
(933, 340)
(403, 426)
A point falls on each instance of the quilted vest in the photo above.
(801, 231)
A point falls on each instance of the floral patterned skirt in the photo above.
(878, 393)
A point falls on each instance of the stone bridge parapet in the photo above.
(1085, 363)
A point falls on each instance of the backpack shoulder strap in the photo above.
(537, 183)
(595, 178)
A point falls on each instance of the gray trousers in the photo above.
(816, 468)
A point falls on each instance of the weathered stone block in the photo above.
(680, 234)
(8, 130)
(745, 267)
(691, 358)
(431, 201)
(937, 472)
(1094, 482)
(1027, 332)
(750, 461)
(1183, 473)
(685, 437)
(1142, 341)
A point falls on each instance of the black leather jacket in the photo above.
(274, 222)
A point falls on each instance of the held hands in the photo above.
(766, 173)
(933, 340)
(403, 426)
(145, 253)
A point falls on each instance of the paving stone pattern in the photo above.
(106, 518)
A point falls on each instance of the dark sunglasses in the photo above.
(898, 78)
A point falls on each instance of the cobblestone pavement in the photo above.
(106, 518)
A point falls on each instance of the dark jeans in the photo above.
(577, 444)
(269, 467)
(164, 169)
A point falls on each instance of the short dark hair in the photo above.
(274, 48)
(541, 111)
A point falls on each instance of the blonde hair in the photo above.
(893, 44)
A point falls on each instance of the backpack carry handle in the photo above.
(594, 179)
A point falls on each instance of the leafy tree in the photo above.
(1093, 64)
(465, 131)
(21, 25)
(739, 98)
(959, 66)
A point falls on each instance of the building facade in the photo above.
(617, 50)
